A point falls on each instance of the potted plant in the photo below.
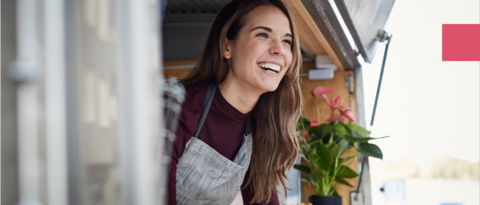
(323, 145)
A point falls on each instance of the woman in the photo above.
(237, 128)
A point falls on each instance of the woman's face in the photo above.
(261, 54)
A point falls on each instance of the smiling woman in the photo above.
(261, 52)
(248, 71)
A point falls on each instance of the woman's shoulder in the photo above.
(195, 95)
(196, 89)
(193, 104)
(191, 111)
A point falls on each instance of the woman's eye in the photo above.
(288, 41)
(263, 35)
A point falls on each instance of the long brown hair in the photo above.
(275, 145)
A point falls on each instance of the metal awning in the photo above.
(365, 20)
(350, 27)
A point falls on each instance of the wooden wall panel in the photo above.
(177, 73)
(185, 68)
(338, 82)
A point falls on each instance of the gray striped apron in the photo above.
(204, 176)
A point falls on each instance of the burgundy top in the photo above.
(223, 130)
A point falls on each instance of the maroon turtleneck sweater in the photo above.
(223, 130)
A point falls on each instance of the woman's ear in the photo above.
(228, 49)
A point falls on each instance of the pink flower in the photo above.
(335, 117)
(324, 97)
(337, 101)
(320, 90)
(314, 123)
(334, 103)
(344, 108)
(349, 115)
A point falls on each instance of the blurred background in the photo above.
(81, 102)
(430, 108)
(83, 92)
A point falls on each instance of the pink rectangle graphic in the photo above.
(461, 42)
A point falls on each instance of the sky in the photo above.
(428, 107)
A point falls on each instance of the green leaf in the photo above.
(343, 147)
(302, 168)
(316, 178)
(322, 156)
(303, 123)
(370, 150)
(358, 129)
(320, 163)
(340, 180)
(357, 134)
(339, 148)
(340, 131)
(314, 140)
(335, 149)
(353, 136)
(316, 175)
(346, 172)
(320, 131)
(313, 158)
(325, 154)
(335, 123)
(361, 139)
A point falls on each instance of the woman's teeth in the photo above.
(270, 67)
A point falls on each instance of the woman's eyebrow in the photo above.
(262, 27)
(269, 30)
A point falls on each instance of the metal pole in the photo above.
(25, 70)
(380, 79)
(140, 104)
(55, 102)
(385, 37)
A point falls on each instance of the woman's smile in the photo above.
(270, 68)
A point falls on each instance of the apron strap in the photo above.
(212, 88)
(247, 128)
(206, 107)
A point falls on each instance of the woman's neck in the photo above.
(240, 96)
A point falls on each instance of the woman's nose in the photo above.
(276, 48)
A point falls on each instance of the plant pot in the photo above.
(325, 200)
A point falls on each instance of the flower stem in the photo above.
(330, 184)
(331, 116)
(337, 168)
